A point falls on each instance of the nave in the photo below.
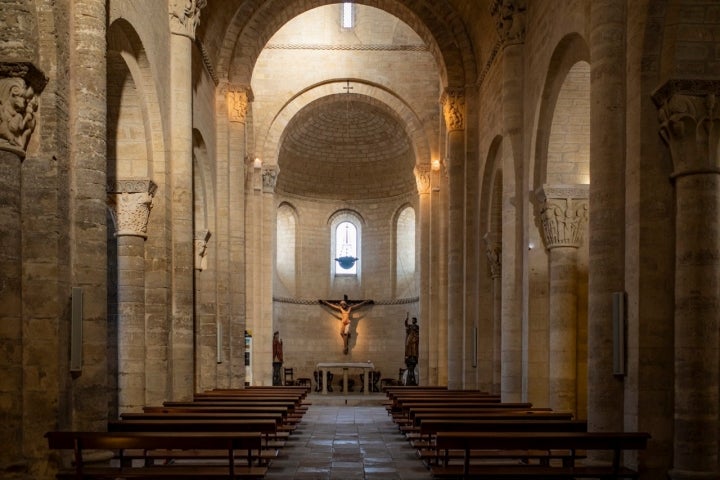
(347, 442)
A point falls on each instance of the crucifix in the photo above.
(345, 307)
(348, 87)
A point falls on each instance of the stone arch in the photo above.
(413, 125)
(490, 187)
(127, 57)
(570, 51)
(490, 224)
(437, 23)
(204, 198)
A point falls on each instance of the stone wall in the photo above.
(309, 330)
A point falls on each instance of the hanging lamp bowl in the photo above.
(346, 262)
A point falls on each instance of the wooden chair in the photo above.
(288, 376)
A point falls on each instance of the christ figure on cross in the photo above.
(345, 307)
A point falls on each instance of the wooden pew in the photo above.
(266, 427)
(289, 405)
(80, 442)
(428, 451)
(617, 442)
(402, 415)
(481, 414)
(413, 432)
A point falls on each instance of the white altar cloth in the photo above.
(324, 366)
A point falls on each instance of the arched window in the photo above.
(405, 252)
(346, 249)
(286, 246)
(345, 238)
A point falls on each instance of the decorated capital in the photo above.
(423, 178)
(563, 214)
(453, 103)
(238, 101)
(269, 178)
(185, 16)
(130, 201)
(20, 85)
(689, 117)
(510, 20)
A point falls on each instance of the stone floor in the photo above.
(346, 442)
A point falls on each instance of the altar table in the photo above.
(324, 366)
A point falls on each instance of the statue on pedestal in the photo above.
(277, 353)
(412, 342)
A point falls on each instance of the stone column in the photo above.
(239, 98)
(563, 216)
(437, 328)
(184, 18)
(131, 202)
(423, 180)
(606, 226)
(208, 305)
(509, 17)
(493, 251)
(690, 125)
(268, 240)
(17, 122)
(453, 102)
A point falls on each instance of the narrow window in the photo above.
(346, 249)
(347, 15)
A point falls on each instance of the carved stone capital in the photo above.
(453, 103)
(493, 250)
(269, 178)
(130, 201)
(20, 85)
(509, 18)
(423, 178)
(689, 116)
(238, 101)
(201, 241)
(185, 16)
(563, 214)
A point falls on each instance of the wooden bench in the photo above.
(119, 442)
(428, 451)
(617, 442)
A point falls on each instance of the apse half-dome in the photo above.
(346, 147)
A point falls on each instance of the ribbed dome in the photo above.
(345, 146)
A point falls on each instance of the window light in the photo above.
(347, 17)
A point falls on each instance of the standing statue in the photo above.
(277, 358)
(412, 341)
(345, 307)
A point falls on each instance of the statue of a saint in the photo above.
(277, 348)
(277, 358)
(412, 337)
(412, 340)
(345, 307)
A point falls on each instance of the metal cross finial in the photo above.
(348, 87)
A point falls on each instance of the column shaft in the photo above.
(181, 334)
(607, 198)
(514, 246)
(563, 329)
(697, 302)
(456, 270)
(131, 323)
(11, 362)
